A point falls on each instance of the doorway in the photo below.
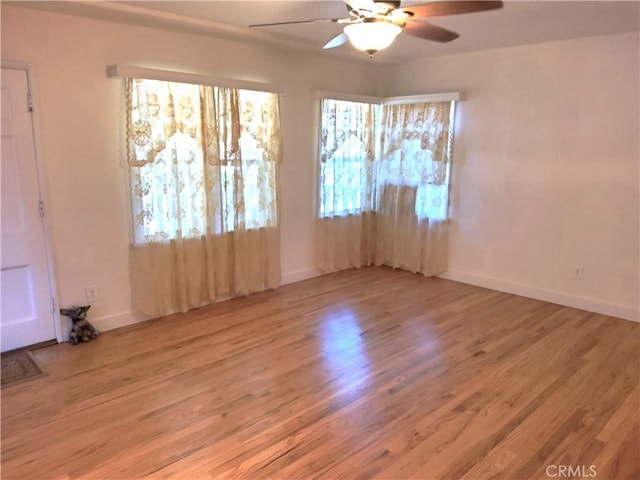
(28, 313)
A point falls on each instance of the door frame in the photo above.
(42, 188)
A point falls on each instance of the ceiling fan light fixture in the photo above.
(372, 36)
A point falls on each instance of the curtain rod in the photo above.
(349, 97)
(126, 71)
(429, 97)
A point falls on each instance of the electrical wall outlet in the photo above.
(92, 293)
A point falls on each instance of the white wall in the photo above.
(80, 115)
(545, 172)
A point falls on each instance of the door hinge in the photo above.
(41, 208)
(53, 305)
(29, 102)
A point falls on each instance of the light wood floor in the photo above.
(363, 374)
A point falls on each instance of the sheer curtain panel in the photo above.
(203, 166)
(384, 207)
(344, 227)
(412, 174)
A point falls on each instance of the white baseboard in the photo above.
(628, 313)
(119, 320)
(591, 305)
(130, 318)
(299, 275)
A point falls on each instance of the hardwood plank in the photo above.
(370, 373)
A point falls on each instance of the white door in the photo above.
(26, 309)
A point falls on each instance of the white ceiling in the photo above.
(518, 23)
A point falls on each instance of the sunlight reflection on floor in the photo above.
(343, 348)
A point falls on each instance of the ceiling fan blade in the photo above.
(313, 20)
(429, 31)
(336, 41)
(437, 9)
(368, 5)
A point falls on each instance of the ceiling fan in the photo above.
(374, 24)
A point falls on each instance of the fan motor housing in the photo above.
(392, 5)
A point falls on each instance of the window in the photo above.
(202, 159)
(347, 136)
(415, 153)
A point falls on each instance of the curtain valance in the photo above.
(425, 124)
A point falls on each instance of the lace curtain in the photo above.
(411, 227)
(406, 226)
(203, 169)
(347, 151)
(346, 187)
